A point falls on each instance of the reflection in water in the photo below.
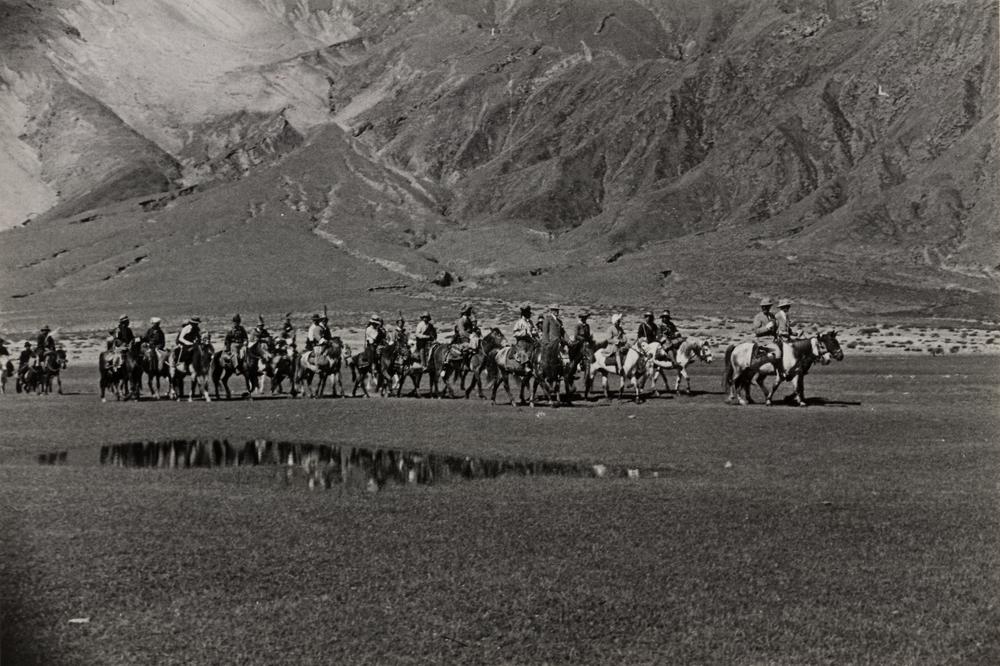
(324, 465)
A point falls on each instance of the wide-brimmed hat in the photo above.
(615, 318)
(466, 307)
(374, 319)
(194, 320)
(554, 306)
(647, 313)
(425, 315)
(665, 313)
(766, 301)
(525, 307)
(155, 320)
(585, 313)
(123, 318)
(27, 345)
(46, 328)
(316, 317)
(784, 303)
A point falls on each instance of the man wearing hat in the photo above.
(23, 363)
(670, 337)
(260, 333)
(782, 323)
(552, 326)
(765, 329)
(583, 328)
(44, 343)
(374, 338)
(187, 338)
(648, 330)
(465, 326)
(288, 331)
(401, 336)
(425, 335)
(525, 332)
(154, 335)
(315, 336)
(237, 337)
(617, 340)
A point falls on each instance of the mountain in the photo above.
(614, 153)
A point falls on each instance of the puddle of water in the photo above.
(325, 465)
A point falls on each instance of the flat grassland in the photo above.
(864, 528)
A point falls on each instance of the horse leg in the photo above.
(800, 390)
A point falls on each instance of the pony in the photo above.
(744, 364)
(53, 361)
(546, 370)
(579, 356)
(199, 369)
(132, 354)
(479, 361)
(281, 367)
(225, 364)
(504, 361)
(634, 366)
(111, 365)
(395, 359)
(690, 350)
(153, 364)
(255, 362)
(444, 361)
(364, 369)
(322, 362)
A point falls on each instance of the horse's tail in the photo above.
(727, 371)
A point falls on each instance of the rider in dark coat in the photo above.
(123, 334)
(648, 331)
(44, 343)
(154, 335)
(583, 328)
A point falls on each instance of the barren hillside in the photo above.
(615, 153)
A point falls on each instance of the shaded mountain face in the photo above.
(618, 151)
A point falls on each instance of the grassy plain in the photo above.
(863, 529)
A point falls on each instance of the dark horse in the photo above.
(581, 357)
(199, 367)
(252, 367)
(396, 361)
(546, 370)
(444, 361)
(482, 360)
(53, 361)
(153, 364)
(111, 365)
(133, 369)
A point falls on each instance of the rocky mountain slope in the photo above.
(611, 152)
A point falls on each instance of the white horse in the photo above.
(743, 366)
(690, 350)
(638, 360)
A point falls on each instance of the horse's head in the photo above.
(832, 345)
(819, 349)
(3, 350)
(704, 351)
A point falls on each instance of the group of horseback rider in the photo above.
(769, 329)
(30, 356)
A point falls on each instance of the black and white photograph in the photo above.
(499, 332)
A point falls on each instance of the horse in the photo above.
(444, 360)
(322, 361)
(255, 362)
(547, 370)
(281, 367)
(111, 364)
(199, 368)
(132, 355)
(225, 364)
(690, 350)
(744, 364)
(153, 364)
(479, 361)
(634, 367)
(396, 361)
(579, 356)
(53, 361)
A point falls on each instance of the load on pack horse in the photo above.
(322, 361)
(745, 363)
(689, 350)
(636, 363)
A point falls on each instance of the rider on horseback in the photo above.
(288, 331)
(315, 336)
(617, 340)
(44, 343)
(765, 329)
(525, 333)
(583, 328)
(374, 338)
(402, 337)
(260, 334)
(24, 361)
(425, 335)
(187, 338)
(465, 327)
(237, 337)
(648, 332)
(154, 335)
(670, 337)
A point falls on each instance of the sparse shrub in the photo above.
(852, 345)
(990, 341)
(954, 349)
